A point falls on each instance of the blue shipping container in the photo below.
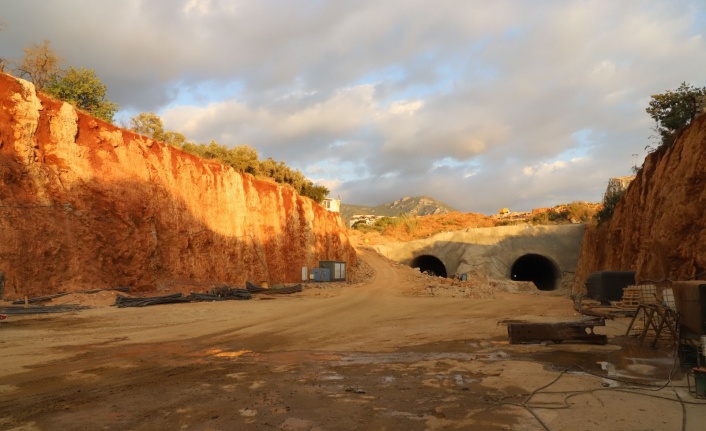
(321, 274)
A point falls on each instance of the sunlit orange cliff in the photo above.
(87, 205)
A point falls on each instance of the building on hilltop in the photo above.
(333, 205)
(617, 185)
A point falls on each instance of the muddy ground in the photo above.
(377, 355)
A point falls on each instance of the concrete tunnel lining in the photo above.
(536, 268)
(429, 264)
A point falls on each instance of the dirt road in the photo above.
(362, 357)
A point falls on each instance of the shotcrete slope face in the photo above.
(543, 255)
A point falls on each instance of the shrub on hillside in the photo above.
(609, 204)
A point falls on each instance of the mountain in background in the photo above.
(409, 206)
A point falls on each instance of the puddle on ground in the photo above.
(631, 360)
(353, 358)
(405, 357)
(623, 357)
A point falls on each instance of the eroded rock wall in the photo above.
(659, 226)
(84, 205)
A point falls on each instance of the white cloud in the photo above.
(544, 168)
(198, 7)
(406, 107)
(377, 95)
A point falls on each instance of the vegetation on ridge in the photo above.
(675, 110)
(409, 206)
(79, 87)
(242, 158)
(83, 89)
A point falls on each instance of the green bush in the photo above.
(609, 204)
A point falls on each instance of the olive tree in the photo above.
(674, 110)
(83, 89)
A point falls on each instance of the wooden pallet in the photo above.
(631, 298)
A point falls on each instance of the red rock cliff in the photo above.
(84, 204)
(659, 226)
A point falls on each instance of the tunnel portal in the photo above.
(535, 268)
(429, 264)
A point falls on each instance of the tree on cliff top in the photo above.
(39, 64)
(83, 89)
(243, 158)
(674, 110)
(150, 125)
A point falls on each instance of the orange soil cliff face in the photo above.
(85, 205)
(659, 226)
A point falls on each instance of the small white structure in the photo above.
(333, 205)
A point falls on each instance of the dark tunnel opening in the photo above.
(429, 264)
(535, 268)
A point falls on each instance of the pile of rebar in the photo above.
(223, 293)
(228, 292)
(254, 289)
(124, 301)
(42, 309)
(205, 297)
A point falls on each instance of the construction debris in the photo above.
(530, 332)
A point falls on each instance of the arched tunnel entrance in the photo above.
(535, 268)
(430, 264)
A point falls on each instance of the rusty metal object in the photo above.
(690, 298)
(531, 332)
(657, 320)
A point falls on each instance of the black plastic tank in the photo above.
(606, 286)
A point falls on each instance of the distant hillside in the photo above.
(411, 206)
(407, 229)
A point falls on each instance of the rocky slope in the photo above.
(85, 205)
(409, 206)
(659, 227)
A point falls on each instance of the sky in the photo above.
(481, 105)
